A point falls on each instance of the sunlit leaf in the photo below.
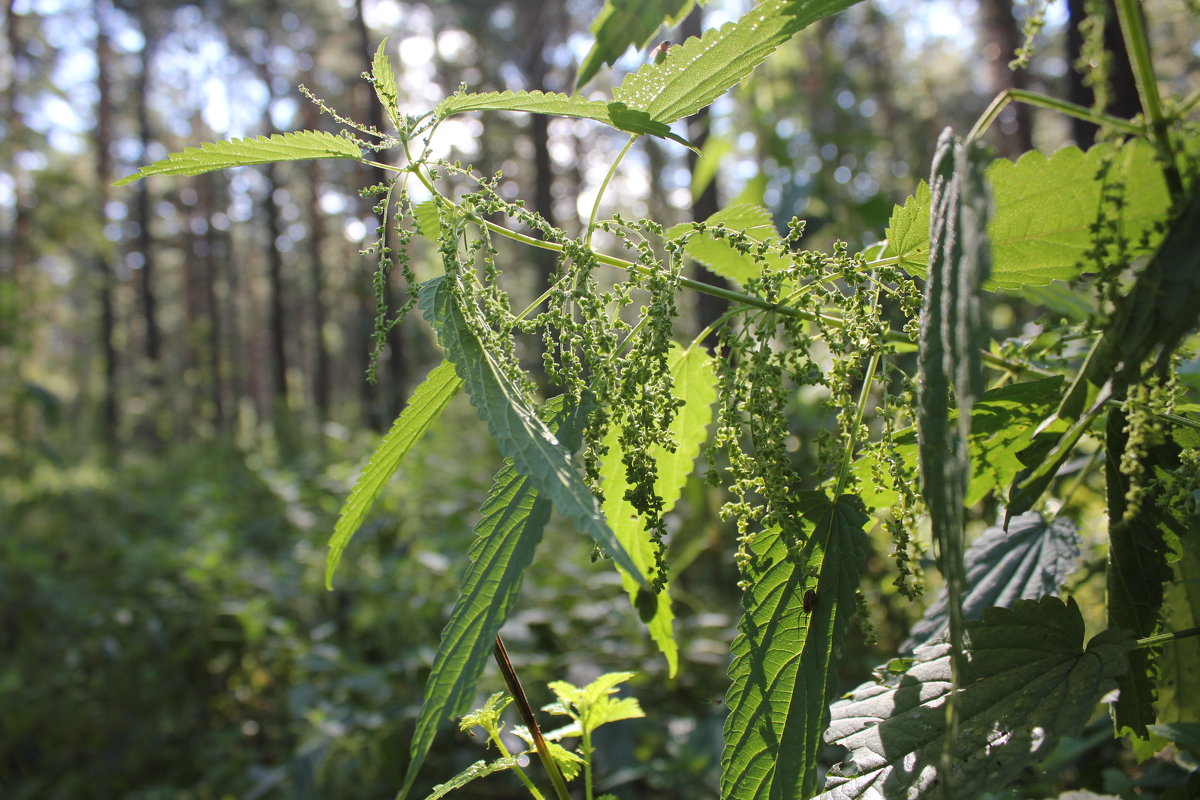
(1029, 560)
(798, 605)
(1028, 681)
(700, 70)
(622, 23)
(720, 256)
(519, 433)
(477, 770)
(694, 377)
(210, 156)
(1046, 208)
(425, 406)
(384, 81)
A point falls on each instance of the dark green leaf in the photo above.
(509, 529)
(784, 670)
(1028, 681)
(1031, 559)
(519, 433)
(426, 405)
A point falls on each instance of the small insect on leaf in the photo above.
(647, 604)
(659, 54)
(810, 601)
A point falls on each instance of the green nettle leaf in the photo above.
(210, 156)
(1029, 560)
(1002, 424)
(509, 529)
(697, 72)
(1028, 681)
(384, 81)
(616, 114)
(593, 705)
(479, 769)
(694, 376)
(427, 403)
(1046, 208)
(720, 256)
(622, 23)
(519, 432)
(799, 603)
(1179, 662)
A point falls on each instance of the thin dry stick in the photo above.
(522, 703)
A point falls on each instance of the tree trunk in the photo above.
(152, 333)
(277, 332)
(104, 271)
(1001, 38)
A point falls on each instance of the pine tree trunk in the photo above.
(104, 271)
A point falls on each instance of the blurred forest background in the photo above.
(182, 396)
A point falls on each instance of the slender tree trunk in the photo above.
(317, 268)
(277, 326)
(103, 140)
(214, 256)
(15, 283)
(152, 334)
(708, 308)
(1002, 37)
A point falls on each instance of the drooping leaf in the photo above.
(384, 81)
(210, 156)
(616, 114)
(622, 23)
(798, 607)
(1028, 681)
(426, 405)
(694, 377)
(1030, 560)
(511, 521)
(720, 256)
(479, 769)
(697, 72)
(519, 433)
(1045, 210)
(1002, 424)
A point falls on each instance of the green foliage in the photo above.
(786, 658)
(426, 405)
(1029, 680)
(712, 246)
(593, 705)
(622, 23)
(1047, 209)
(210, 156)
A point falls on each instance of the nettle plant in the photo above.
(998, 670)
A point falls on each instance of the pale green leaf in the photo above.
(616, 114)
(593, 705)
(1028, 682)
(697, 72)
(513, 423)
(1179, 661)
(622, 23)
(425, 406)
(798, 609)
(511, 521)
(210, 156)
(1029, 560)
(1045, 211)
(721, 257)
(384, 81)
(694, 382)
(1002, 424)
(477, 770)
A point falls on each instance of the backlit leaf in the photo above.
(700, 70)
(1045, 211)
(1179, 661)
(384, 81)
(519, 433)
(477, 770)
(1028, 681)
(1030, 560)
(622, 23)
(425, 406)
(798, 607)
(694, 377)
(720, 256)
(210, 156)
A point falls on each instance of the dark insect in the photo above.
(646, 604)
(810, 601)
(659, 54)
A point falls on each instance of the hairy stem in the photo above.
(1053, 104)
(612, 170)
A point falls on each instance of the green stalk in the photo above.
(1053, 104)
(586, 746)
(859, 410)
(1133, 30)
(533, 790)
(1163, 638)
(612, 170)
